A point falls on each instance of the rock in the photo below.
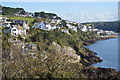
(99, 73)
(67, 52)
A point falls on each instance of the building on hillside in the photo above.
(55, 21)
(1, 18)
(85, 27)
(80, 26)
(70, 26)
(110, 33)
(90, 28)
(23, 23)
(100, 31)
(18, 30)
(53, 26)
(6, 24)
(41, 25)
(45, 26)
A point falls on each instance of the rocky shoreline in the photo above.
(91, 57)
(97, 72)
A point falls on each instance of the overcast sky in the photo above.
(75, 11)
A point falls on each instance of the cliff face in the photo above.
(86, 59)
(67, 52)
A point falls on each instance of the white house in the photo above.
(45, 26)
(40, 25)
(95, 29)
(18, 30)
(55, 21)
(100, 31)
(85, 28)
(90, 28)
(1, 18)
(48, 26)
(7, 24)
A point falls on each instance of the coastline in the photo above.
(99, 72)
(92, 52)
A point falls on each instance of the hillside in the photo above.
(110, 26)
(49, 54)
(57, 55)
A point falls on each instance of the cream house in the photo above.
(18, 30)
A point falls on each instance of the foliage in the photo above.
(74, 39)
(22, 18)
(46, 15)
(12, 11)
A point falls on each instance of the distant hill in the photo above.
(110, 26)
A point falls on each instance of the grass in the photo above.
(19, 18)
(22, 18)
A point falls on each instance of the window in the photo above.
(14, 29)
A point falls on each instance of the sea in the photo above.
(108, 51)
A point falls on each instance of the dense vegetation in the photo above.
(49, 62)
(46, 15)
(74, 39)
(12, 11)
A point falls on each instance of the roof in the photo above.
(19, 27)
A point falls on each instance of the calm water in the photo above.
(108, 51)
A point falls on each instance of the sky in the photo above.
(73, 11)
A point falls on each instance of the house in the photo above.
(110, 33)
(100, 31)
(55, 21)
(3, 18)
(85, 28)
(7, 24)
(80, 26)
(65, 31)
(48, 26)
(4, 22)
(45, 26)
(40, 25)
(90, 28)
(18, 30)
(16, 27)
(23, 23)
